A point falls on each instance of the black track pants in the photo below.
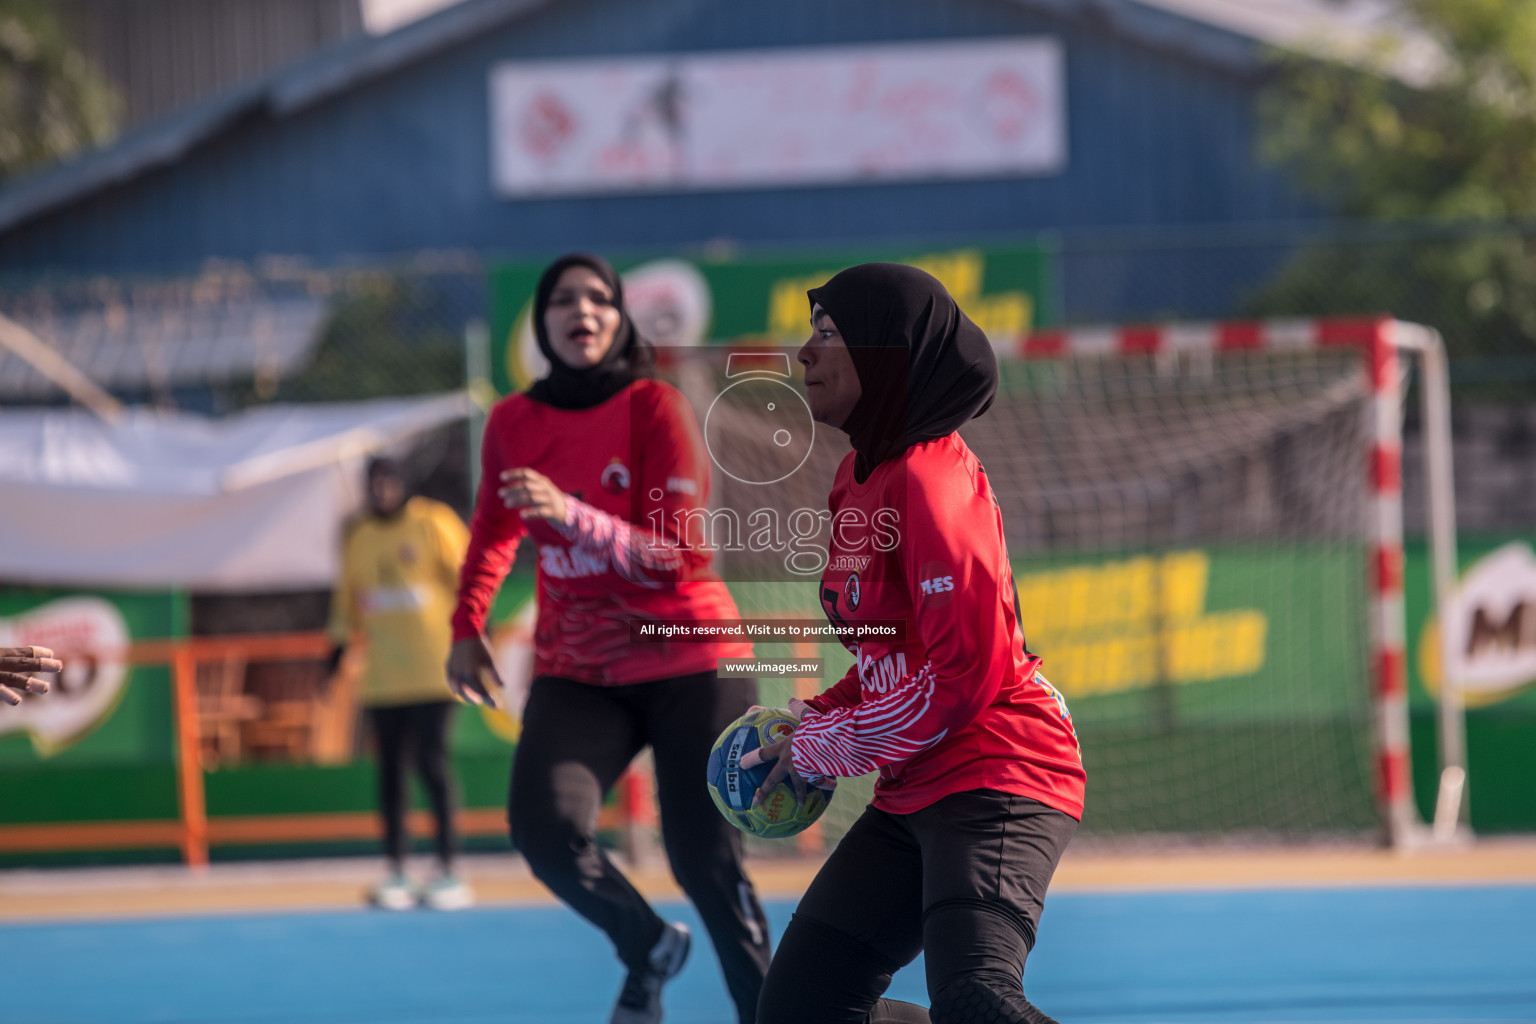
(423, 727)
(961, 881)
(576, 742)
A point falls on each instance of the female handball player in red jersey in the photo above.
(576, 463)
(981, 782)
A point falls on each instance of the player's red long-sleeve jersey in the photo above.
(635, 464)
(958, 704)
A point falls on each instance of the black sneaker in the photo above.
(640, 998)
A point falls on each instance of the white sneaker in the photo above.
(640, 998)
(394, 893)
(447, 892)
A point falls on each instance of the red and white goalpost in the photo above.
(1380, 343)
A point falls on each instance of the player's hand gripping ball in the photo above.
(732, 786)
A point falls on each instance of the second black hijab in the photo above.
(908, 339)
(629, 357)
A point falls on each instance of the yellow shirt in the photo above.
(398, 583)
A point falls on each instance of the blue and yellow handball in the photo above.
(732, 787)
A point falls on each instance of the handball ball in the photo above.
(732, 786)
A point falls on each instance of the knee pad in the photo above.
(984, 999)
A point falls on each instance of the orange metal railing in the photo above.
(183, 657)
(634, 814)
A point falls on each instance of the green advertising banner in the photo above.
(1266, 632)
(1007, 290)
(1222, 688)
(1497, 602)
(102, 707)
(1494, 631)
(1215, 690)
(101, 746)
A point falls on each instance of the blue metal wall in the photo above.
(403, 164)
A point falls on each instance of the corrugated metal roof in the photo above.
(349, 65)
(164, 55)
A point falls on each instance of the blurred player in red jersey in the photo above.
(17, 665)
(981, 781)
(581, 463)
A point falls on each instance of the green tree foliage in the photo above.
(52, 102)
(1450, 160)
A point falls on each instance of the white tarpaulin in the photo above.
(780, 117)
(246, 502)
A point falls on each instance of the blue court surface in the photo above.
(1437, 954)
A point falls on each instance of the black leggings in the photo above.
(576, 742)
(961, 881)
(424, 727)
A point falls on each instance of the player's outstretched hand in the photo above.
(469, 665)
(797, 708)
(16, 667)
(783, 767)
(534, 494)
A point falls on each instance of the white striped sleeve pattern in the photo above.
(633, 556)
(847, 742)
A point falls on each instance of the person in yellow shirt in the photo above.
(396, 588)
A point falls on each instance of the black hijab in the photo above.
(629, 357)
(907, 338)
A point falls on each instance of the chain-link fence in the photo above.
(1476, 284)
(235, 336)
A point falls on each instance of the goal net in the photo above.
(1196, 537)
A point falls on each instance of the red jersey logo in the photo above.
(615, 477)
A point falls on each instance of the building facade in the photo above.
(383, 146)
